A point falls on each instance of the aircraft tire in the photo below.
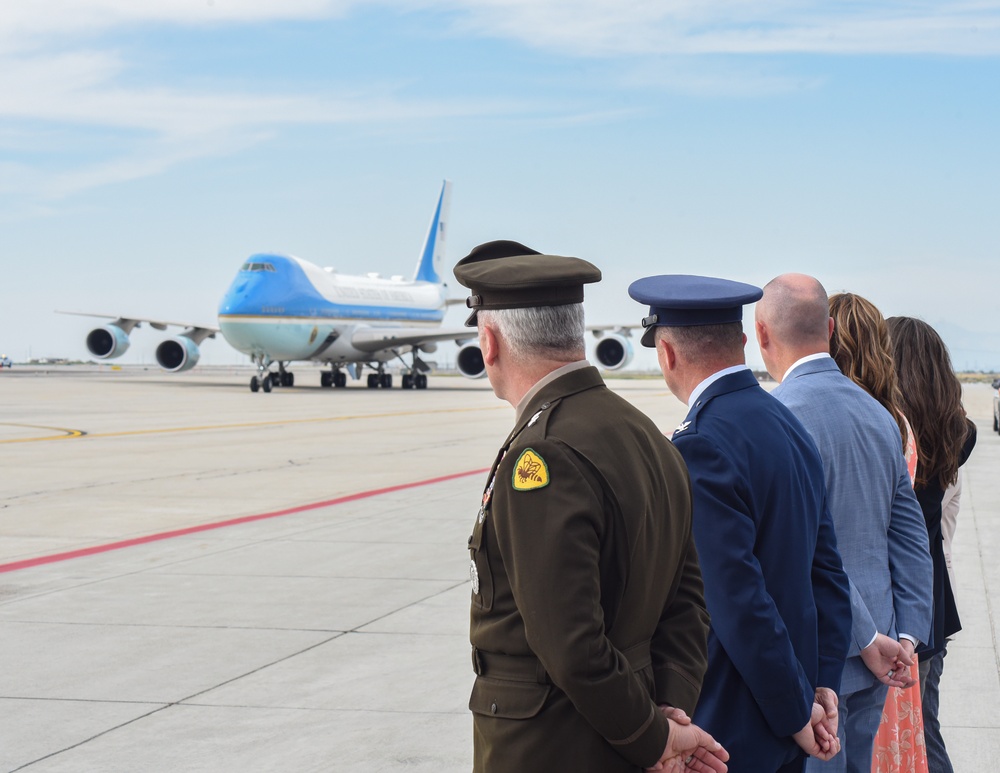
(386, 381)
(254, 384)
(420, 381)
(340, 379)
(407, 381)
(326, 379)
(266, 385)
(288, 379)
(372, 380)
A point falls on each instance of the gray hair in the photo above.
(552, 332)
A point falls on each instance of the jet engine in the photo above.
(470, 361)
(107, 342)
(177, 354)
(613, 351)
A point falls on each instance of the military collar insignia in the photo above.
(530, 472)
(682, 426)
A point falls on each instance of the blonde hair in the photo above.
(860, 345)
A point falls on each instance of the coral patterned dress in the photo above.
(899, 743)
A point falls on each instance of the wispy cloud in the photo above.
(56, 79)
(642, 27)
(59, 67)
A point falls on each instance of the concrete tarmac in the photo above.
(194, 577)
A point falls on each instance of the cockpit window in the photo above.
(257, 267)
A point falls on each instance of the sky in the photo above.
(146, 149)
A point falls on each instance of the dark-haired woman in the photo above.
(932, 401)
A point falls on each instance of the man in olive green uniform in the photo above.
(587, 606)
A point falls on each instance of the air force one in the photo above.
(280, 309)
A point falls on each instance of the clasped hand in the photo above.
(890, 660)
(819, 736)
(689, 748)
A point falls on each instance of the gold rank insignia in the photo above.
(530, 472)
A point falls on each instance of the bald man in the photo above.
(880, 528)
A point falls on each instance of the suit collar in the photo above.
(732, 382)
(813, 364)
(706, 383)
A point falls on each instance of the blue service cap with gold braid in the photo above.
(683, 300)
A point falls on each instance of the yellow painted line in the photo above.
(65, 434)
(71, 433)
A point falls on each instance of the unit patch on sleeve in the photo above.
(530, 472)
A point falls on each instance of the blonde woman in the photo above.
(860, 346)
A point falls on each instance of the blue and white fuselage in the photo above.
(284, 308)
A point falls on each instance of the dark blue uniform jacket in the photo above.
(775, 586)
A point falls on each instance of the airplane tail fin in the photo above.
(429, 265)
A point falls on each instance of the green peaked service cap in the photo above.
(507, 275)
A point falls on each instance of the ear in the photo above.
(668, 354)
(489, 344)
(763, 339)
(829, 329)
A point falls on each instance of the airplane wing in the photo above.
(132, 322)
(375, 339)
(600, 330)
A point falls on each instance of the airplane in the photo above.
(280, 309)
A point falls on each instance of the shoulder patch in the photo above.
(530, 472)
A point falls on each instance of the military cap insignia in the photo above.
(530, 472)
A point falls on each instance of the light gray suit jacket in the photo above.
(880, 528)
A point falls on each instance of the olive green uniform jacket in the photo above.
(587, 603)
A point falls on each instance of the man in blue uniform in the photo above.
(775, 585)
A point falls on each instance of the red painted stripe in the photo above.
(94, 550)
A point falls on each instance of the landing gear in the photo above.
(265, 379)
(380, 379)
(414, 381)
(333, 378)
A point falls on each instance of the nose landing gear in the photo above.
(266, 378)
